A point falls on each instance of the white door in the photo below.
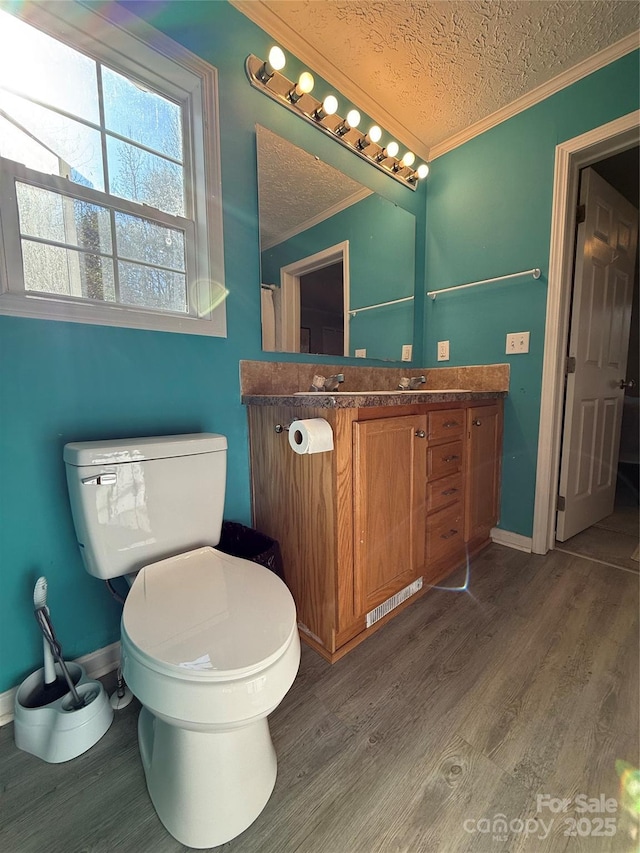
(598, 341)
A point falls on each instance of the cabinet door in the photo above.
(483, 457)
(389, 464)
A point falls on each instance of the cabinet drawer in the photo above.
(448, 423)
(444, 491)
(445, 534)
(444, 459)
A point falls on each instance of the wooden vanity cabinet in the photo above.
(407, 492)
(388, 507)
(482, 472)
(445, 540)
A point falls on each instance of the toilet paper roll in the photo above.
(313, 435)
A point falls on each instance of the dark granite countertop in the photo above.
(359, 400)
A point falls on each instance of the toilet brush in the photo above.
(53, 687)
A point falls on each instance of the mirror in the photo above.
(329, 246)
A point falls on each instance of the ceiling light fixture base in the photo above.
(278, 87)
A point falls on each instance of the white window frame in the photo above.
(174, 72)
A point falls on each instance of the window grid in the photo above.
(201, 244)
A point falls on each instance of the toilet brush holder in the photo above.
(56, 731)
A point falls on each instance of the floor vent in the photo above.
(391, 603)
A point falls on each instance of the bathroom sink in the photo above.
(380, 393)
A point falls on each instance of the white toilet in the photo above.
(209, 642)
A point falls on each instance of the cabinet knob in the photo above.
(450, 424)
(450, 534)
(451, 458)
(477, 422)
(420, 433)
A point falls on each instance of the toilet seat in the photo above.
(206, 616)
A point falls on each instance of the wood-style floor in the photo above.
(470, 705)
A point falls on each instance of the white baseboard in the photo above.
(96, 664)
(511, 540)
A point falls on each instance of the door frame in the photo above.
(571, 156)
(290, 288)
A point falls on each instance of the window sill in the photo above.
(48, 308)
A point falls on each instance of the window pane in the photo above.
(75, 147)
(40, 67)
(16, 145)
(141, 115)
(141, 240)
(151, 288)
(52, 216)
(139, 176)
(51, 269)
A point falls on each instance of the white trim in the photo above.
(274, 25)
(96, 665)
(290, 290)
(357, 196)
(511, 540)
(540, 93)
(571, 156)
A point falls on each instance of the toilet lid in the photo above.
(207, 614)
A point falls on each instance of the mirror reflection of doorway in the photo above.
(315, 302)
(322, 309)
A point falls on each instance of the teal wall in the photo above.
(488, 210)
(63, 382)
(382, 267)
(489, 213)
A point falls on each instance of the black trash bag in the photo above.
(240, 541)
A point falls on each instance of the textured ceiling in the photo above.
(296, 189)
(435, 68)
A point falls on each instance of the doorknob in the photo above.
(627, 384)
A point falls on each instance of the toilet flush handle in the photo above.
(100, 480)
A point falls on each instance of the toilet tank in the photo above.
(138, 500)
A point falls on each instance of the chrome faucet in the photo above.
(331, 383)
(407, 384)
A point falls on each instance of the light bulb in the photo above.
(392, 149)
(422, 170)
(373, 135)
(302, 87)
(305, 82)
(408, 159)
(275, 62)
(330, 105)
(327, 108)
(276, 58)
(353, 118)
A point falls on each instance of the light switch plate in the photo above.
(407, 352)
(517, 342)
(443, 350)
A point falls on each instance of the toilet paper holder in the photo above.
(280, 428)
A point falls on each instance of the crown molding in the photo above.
(540, 93)
(279, 30)
(296, 44)
(339, 206)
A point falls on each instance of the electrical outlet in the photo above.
(517, 342)
(443, 350)
(361, 353)
(407, 352)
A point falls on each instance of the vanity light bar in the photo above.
(323, 114)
